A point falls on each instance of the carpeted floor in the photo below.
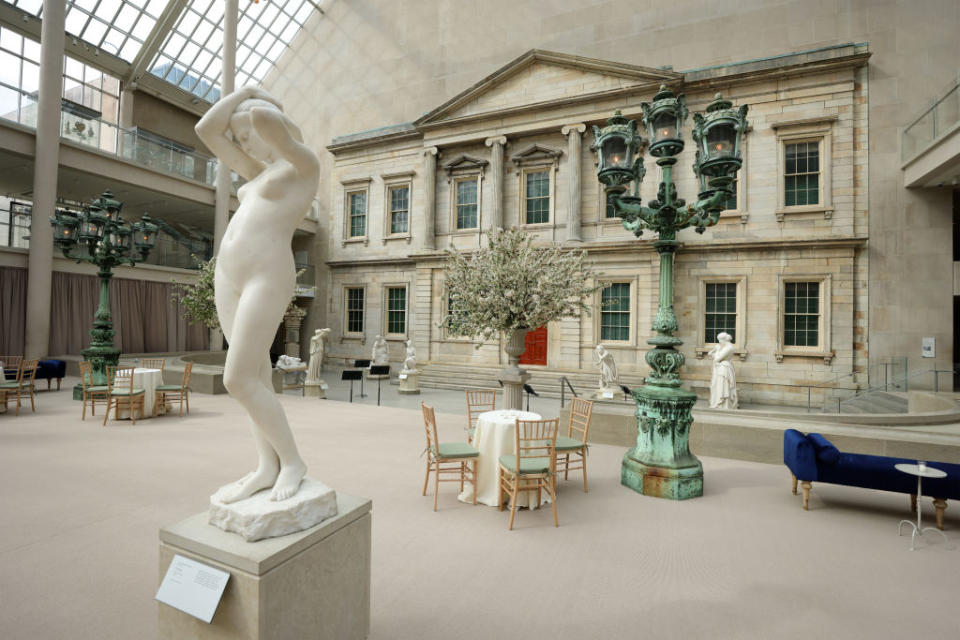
(81, 505)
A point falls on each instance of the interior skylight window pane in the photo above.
(175, 44)
(139, 4)
(161, 65)
(129, 50)
(204, 29)
(11, 41)
(188, 54)
(75, 21)
(243, 28)
(290, 32)
(86, 5)
(31, 76)
(201, 6)
(30, 6)
(156, 7)
(215, 14)
(125, 19)
(113, 42)
(111, 85)
(31, 50)
(143, 28)
(216, 65)
(69, 86)
(188, 23)
(107, 9)
(215, 41)
(73, 68)
(94, 32)
(269, 14)
(253, 37)
(274, 54)
(204, 58)
(91, 75)
(303, 13)
(187, 81)
(9, 69)
(262, 70)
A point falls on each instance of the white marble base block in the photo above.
(313, 584)
(259, 517)
(409, 384)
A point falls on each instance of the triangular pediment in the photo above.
(539, 78)
(536, 153)
(464, 163)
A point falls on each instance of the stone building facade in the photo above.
(785, 270)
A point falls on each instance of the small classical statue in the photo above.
(609, 378)
(381, 354)
(410, 362)
(318, 344)
(255, 274)
(723, 384)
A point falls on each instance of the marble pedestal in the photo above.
(409, 382)
(314, 584)
(315, 389)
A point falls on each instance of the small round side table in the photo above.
(921, 472)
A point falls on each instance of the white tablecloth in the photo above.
(148, 380)
(495, 438)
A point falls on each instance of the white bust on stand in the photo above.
(723, 384)
(609, 377)
(254, 281)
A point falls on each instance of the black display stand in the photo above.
(379, 370)
(363, 364)
(351, 375)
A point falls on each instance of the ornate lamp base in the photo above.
(661, 464)
(99, 358)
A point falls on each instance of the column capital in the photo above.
(501, 140)
(579, 127)
(433, 151)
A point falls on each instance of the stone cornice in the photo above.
(371, 262)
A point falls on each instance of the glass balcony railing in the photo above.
(934, 123)
(21, 107)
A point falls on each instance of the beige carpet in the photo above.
(81, 505)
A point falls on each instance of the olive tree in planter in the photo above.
(509, 288)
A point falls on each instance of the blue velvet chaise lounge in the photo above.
(812, 458)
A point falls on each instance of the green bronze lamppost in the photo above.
(661, 463)
(99, 236)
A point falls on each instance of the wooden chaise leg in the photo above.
(913, 503)
(794, 483)
(806, 495)
(941, 506)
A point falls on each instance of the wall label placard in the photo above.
(928, 348)
(192, 587)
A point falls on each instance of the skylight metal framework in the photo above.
(191, 55)
(115, 26)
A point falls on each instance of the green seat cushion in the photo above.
(527, 465)
(97, 389)
(9, 385)
(456, 450)
(566, 443)
(168, 387)
(126, 392)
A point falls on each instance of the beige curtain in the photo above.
(146, 317)
(13, 309)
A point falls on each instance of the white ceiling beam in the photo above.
(153, 42)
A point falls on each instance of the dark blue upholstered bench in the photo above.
(812, 458)
(51, 369)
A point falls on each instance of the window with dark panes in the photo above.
(721, 310)
(615, 311)
(801, 178)
(801, 314)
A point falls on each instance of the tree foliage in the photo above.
(513, 285)
(197, 299)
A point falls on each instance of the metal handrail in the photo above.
(564, 380)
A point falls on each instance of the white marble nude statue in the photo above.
(255, 274)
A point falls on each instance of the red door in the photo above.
(536, 347)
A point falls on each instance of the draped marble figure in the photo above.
(318, 344)
(410, 361)
(723, 384)
(609, 377)
(255, 273)
(381, 354)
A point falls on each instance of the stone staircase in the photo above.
(546, 383)
(871, 402)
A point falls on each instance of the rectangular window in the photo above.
(801, 179)
(355, 310)
(538, 197)
(467, 204)
(615, 312)
(801, 314)
(397, 310)
(721, 310)
(358, 214)
(453, 313)
(400, 209)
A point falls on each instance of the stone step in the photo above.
(875, 402)
(545, 383)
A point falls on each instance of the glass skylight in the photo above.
(191, 55)
(115, 26)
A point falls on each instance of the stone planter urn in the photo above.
(513, 377)
(292, 320)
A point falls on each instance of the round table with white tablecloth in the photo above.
(148, 380)
(494, 438)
